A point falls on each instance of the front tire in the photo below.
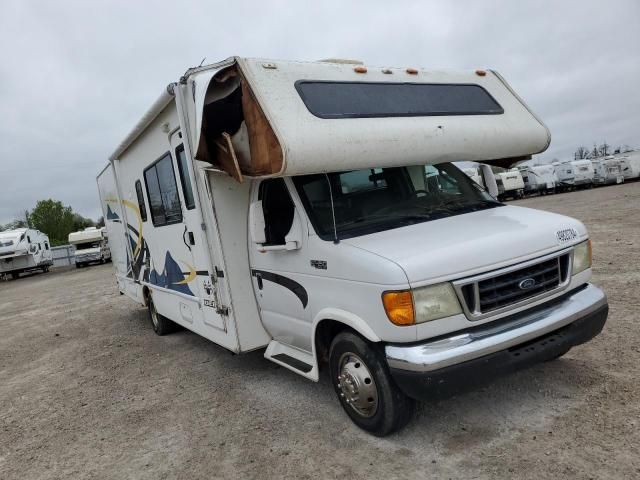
(161, 325)
(364, 386)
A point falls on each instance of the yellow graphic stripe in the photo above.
(136, 210)
(189, 277)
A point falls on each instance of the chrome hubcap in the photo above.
(356, 385)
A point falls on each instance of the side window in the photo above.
(278, 210)
(141, 205)
(162, 192)
(183, 170)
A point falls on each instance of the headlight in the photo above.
(421, 305)
(581, 257)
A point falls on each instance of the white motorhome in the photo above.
(630, 165)
(565, 176)
(540, 179)
(91, 245)
(583, 173)
(510, 184)
(24, 250)
(607, 170)
(283, 206)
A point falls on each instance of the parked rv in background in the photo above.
(607, 170)
(91, 245)
(510, 184)
(630, 165)
(539, 179)
(583, 173)
(565, 176)
(24, 250)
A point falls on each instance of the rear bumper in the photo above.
(446, 365)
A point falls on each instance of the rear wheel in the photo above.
(161, 325)
(364, 386)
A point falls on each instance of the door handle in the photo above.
(259, 279)
(184, 240)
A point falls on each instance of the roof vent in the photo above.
(342, 61)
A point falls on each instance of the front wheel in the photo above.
(364, 386)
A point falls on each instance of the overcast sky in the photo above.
(76, 76)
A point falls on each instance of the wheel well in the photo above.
(325, 333)
(145, 295)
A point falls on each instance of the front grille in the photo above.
(490, 293)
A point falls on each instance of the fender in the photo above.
(342, 316)
(348, 318)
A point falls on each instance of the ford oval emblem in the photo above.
(527, 283)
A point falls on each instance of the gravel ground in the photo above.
(87, 390)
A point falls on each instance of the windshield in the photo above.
(87, 245)
(376, 199)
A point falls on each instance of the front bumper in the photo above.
(466, 359)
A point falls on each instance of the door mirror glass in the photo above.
(489, 180)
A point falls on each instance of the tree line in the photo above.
(54, 219)
(601, 150)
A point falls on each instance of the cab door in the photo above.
(280, 280)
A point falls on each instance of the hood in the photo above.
(468, 244)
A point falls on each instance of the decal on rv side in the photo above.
(297, 289)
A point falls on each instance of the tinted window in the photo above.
(361, 99)
(361, 180)
(141, 205)
(183, 170)
(162, 192)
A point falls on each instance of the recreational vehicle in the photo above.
(583, 173)
(630, 165)
(24, 250)
(565, 176)
(539, 179)
(283, 206)
(91, 245)
(607, 171)
(510, 184)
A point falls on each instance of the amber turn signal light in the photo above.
(399, 307)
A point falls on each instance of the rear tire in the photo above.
(364, 386)
(161, 325)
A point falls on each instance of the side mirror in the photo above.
(489, 180)
(256, 223)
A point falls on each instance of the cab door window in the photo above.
(278, 210)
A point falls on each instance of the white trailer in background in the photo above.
(510, 184)
(565, 175)
(583, 173)
(310, 209)
(539, 179)
(630, 165)
(607, 171)
(24, 250)
(91, 245)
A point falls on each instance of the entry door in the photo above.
(201, 277)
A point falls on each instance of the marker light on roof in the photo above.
(412, 71)
(360, 69)
(481, 73)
